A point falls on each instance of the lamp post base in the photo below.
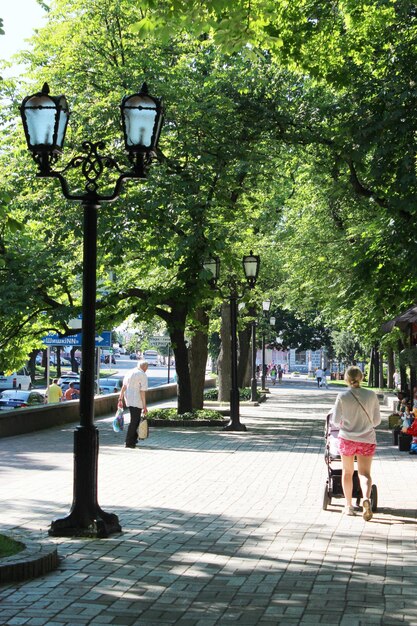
(100, 526)
(254, 390)
(86, 519)
(236, 426)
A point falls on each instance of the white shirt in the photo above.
(135, 381)
(319, 373)
(355, 424)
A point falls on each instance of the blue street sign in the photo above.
(103, 340)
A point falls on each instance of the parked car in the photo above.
(17, 380)
(152, 357)
(18, 399)
(111, 382)
(133, 356)
(68, 377)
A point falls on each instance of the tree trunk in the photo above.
(184, 403)
(198, 354)
(403, 371)
(371, 368)
(381, 382)
(224, 362)
(58, 361)
(74, 362)
(32, 364)
(375, 382)
(243, 360)
(391, 367)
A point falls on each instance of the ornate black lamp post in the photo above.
(251, 264)
(266, 305)
(45, 120)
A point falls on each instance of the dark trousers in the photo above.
(318, 381)
(132, 434)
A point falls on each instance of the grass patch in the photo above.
(172, 415)
(9, 547)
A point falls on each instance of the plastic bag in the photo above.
(143, 429)
(119, 421)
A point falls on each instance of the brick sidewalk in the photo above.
(218, 527)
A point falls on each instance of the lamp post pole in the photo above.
(266, 305)
(254, 382)
(235, 423)
(86, 518)
(263, 378)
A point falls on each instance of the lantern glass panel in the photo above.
(62, 122)
(139, 114)
(251, 266)
(212, 266)
(40, 114)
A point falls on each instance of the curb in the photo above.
(193, 423)
(37, 558)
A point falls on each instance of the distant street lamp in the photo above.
(251, 264)
(266, 305)
(45, 119)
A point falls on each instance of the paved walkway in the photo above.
(218, 527)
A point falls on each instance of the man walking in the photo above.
(133, 392)
(54, 392)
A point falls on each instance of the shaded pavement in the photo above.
(218, 527)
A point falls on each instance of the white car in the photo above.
(152, 357)
(17, 380)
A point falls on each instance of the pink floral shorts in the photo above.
(350, 448)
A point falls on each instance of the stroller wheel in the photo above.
(326, 499)
(374, 498)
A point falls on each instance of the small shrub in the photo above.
(211, 394)
(244, 394)
(172, 414)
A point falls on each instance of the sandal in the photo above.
(367, 511)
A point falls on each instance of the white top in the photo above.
(355, 424)
(319, 373)
(135, 381)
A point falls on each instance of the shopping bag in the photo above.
(143, 429)
(119, 421)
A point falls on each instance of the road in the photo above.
(156, 375)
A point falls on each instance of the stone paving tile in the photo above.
(225, 527)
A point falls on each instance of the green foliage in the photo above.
(173, 415)
(408, 357)
(244, 394)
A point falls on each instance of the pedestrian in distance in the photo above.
(357, 414)
(280, 373)
(54, 392)
(133, 393)
(324, 379)
(319, 376)
(71, 393)
(273, 374)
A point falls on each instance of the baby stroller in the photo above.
(333, 487)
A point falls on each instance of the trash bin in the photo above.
(404, 442)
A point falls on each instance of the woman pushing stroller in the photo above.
(357, 413)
